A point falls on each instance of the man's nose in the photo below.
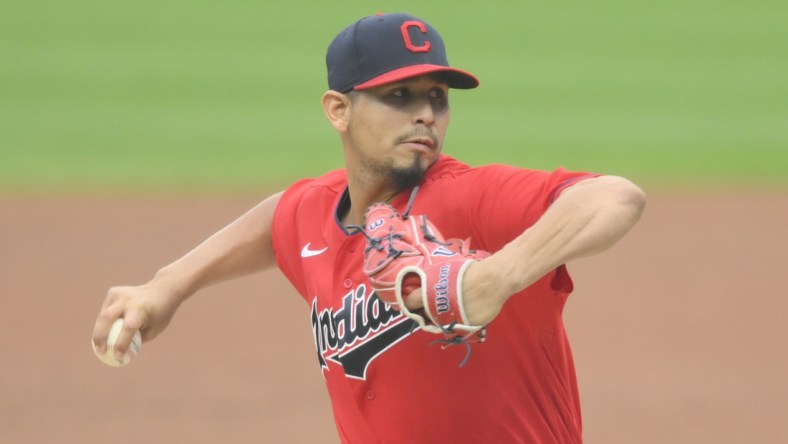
(423, 113)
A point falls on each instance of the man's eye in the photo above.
(400, 92)
(437, 94)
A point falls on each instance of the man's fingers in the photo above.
(413, 300)
(132, 323)
(104, 322)
(118, 305)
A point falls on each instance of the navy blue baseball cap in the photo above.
(387, 48)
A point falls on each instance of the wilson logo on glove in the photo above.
(441, 291)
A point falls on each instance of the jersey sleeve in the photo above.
(285, 234)
(513, 199)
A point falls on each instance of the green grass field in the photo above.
(225, 95)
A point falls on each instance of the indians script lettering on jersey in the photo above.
(354, 335)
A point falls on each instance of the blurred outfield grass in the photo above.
(226, 95)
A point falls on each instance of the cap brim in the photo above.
(457, 78)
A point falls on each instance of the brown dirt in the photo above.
(679, 331)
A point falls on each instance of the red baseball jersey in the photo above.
(389, 383)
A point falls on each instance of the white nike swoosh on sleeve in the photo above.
(306, 252)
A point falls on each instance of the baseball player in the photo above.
(434, 289)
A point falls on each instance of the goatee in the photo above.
(407, 177)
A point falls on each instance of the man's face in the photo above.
(398, 129)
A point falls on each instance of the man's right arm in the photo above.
(243, 247)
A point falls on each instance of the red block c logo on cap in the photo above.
(406, 36)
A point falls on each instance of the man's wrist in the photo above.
(169, 282)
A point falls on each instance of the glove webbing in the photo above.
(405, 216)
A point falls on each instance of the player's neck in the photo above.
(363, 194)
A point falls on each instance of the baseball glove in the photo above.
(405, 253)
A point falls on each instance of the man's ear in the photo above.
(337, 108)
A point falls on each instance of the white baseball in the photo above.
(108, 357)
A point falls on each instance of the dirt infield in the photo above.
(679, 332)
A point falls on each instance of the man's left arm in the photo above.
(587, 218)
